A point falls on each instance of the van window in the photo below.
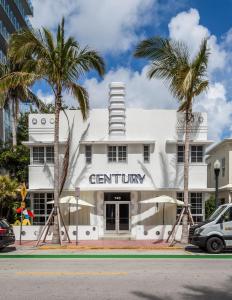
(217, 212)
(227, 216)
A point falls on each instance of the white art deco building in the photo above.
(118, 157)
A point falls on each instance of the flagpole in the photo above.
(21, 227)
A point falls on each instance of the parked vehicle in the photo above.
(215, 234)
(7, 236)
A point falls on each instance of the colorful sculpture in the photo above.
(27, 213)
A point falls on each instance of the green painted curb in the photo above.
(100, 256)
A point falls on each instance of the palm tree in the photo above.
(61, 62)
(16, 93)
(186, 78)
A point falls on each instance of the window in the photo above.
(195, 199)
(43, 154)
(88, 154)
(223, 166)
(50, 155)
(112, 153)
(122, 153)
(227, 216)
(196, 203)
(196, 154)
(180, 153)
(50, 197)
(146, 153)
(38, 155)
(117, 153)
(41, 208)
(222, 201)
(179, 196)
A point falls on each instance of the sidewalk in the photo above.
(113, 245)
(104, 245)
(98, 247)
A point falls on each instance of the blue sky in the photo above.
(114, 27)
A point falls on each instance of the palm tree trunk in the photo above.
(56, 234)
(13, 123)
(184, 236)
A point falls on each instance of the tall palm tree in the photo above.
(187, 79)
(16, 93)
(61, 62)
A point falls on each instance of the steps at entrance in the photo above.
(124, 237)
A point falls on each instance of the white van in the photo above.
(214, 234)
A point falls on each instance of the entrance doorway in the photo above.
(117, 212)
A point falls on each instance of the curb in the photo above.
(118, 256)
(107, 248)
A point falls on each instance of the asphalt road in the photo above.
(151, 279)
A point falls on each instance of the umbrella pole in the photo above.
(77, 224)
(163, 212)
(69, 214)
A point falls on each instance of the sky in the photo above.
(115, 27)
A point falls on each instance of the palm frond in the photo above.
(16, 79)
(82, 97)
(26, 43)
(33, 99)
(200, 88)
(170, 61)
(86, 60)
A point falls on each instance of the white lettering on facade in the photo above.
(116, 178)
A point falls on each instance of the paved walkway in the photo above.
(104, 244)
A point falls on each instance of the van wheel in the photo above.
(214, 245)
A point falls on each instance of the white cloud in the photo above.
(186, 27)
(228, 38)
(45, 97)
(219, 110)
(106, 25)
(140, 92)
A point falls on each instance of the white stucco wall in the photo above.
(159, 128)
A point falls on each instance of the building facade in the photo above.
(222, 152)
(119, 157)
(13, 17)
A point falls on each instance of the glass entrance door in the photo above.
(123, 215)
(110, 216)
(117, 216)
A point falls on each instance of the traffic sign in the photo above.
(23, 191)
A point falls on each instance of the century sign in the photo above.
(116, 178)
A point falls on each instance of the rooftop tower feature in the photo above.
(117, 109)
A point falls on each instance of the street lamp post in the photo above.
(217, 167)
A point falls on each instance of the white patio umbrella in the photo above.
(73, 200)
(72, 203)
(72, 210)
(163, 200)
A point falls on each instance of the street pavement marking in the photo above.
(71, 273)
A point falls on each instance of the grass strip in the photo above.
(117, 256)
